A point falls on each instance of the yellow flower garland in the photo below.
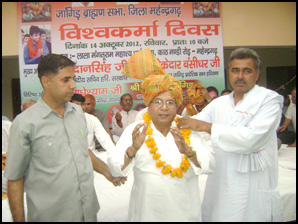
(166, 168)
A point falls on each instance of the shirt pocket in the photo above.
(50, 152)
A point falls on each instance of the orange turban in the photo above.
(193, 93)
(142, 64)
(145, 66)
(157, 84)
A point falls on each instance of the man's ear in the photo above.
(258, 75)
(121, 103)
(45, 82)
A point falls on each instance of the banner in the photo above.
(100, 37)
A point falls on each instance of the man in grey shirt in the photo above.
(48, 155)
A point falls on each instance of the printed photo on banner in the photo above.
(112, 111)
(36, 11)
(140, 106)
(36, 43)
(205, 9)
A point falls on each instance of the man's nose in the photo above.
(73, 84)
(240, 75)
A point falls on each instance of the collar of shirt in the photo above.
(244, 96)
(45, 109)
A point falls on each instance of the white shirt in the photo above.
(127, 119)
(184, 112)
(159, 197)
(95, 127)
(291, 114)
(140, 114)
(244, 185)
(5, 134)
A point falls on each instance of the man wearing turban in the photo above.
(166, 161)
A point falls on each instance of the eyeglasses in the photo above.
(169, 103)
(127, 100)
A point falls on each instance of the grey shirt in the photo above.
(103, 118)
(51, 152)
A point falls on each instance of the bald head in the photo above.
(89, 103)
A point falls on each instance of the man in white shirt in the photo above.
(290, 116)
(94, 128)
(6, 124)
(244, 185)
(166, 165)
(123, 118)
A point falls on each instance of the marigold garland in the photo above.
(166, 168)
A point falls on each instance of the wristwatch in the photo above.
(193, 153)
(128, 156)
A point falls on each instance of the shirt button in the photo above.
(50, 144)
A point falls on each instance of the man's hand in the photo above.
(117, 181)
(179, 140)
(205, 94)
(186, 101)
(183, 147)
(281, 128)
(194, 124)
(39, 53)
(118, 116)
(138, 137)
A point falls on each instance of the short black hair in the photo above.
(212, 88)
(33, 30)
(226, 91)
(121, 98)
(78, 97)
(52, 63)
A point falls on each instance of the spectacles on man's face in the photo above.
(127, 100)
(169, 103)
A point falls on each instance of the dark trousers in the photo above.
(286, 137)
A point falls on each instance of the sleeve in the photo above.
(101, 134)
(116, 156)
(19, 153)
(251, 138)
(45, 48)
(206, 113)
(116, 129)
(205, 155)
(140, 114)
(27, 58)
(288, 113)
(104, 120)
(184, 114)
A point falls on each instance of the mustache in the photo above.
(240, 80)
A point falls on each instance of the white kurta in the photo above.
(159, 197)
(96, 129)
(291, 114)
(244, 185)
